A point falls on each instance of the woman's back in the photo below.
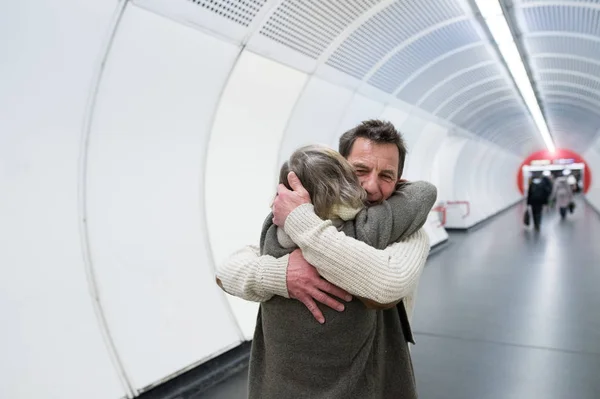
(562, 192)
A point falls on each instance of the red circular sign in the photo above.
(557, 155)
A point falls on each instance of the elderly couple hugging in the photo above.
(346, 232)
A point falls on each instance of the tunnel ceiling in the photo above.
(434, 54)
(562, 43)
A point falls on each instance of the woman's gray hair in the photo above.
(327, 176)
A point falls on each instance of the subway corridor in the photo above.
(505, 313)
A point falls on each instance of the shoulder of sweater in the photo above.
(418, 237)
(417, 186)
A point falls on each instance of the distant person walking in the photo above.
(537, 196)
(562, 194)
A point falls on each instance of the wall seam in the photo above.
(94, 89)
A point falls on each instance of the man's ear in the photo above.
(400, 183)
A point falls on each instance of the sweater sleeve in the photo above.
(381, 275)
(398, 217)
(252, 277)
(412, 208)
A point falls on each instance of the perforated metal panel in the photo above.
(569, 77)
(403, 64)
(567, 64)
(238, 11)
(388, 29)
(576, 123)
(462, 97)
(560, 44)
(497, 120)
(578, 91)
(497, 115)
(532, 2)
(443, 92)
(451, 64)
(562, 39)
(478, 103)
(309, 26)
(562, 19)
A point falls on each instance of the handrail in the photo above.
(441, 209)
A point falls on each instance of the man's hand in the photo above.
(306, 285)
(286, 200)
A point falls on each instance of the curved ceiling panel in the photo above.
(563, 17)
(578, 111)
(434, 54)
(588, 94)
(425, 49)
(310, 26)
(558, 96)
(508, 135)
(562, 44)
(438, 70)
(477, 104)
(577, 122)
(477, 112)
(572, 77)
(565, 62)
(387, 30)
(496, 117)
(452, 83)
(467, 93)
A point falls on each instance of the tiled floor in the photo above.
(504, 312)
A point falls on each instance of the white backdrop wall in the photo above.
(592, 157)
(316, 116)
(186, 138)
(481, 175)
(242, 164)
(50, 342)
(145, 196)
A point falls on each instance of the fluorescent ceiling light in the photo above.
(494, 18)
(489, 8)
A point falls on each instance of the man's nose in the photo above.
(370, 185)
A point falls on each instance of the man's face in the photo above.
(376, 166)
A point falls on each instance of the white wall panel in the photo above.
(316, 116)
(592, 157)
(395, 115)
(242, 162)
(360, 109)
(444, 164)
(424, 146)
(424, 140)
(145, 198)
(475, 180)
(50, 342)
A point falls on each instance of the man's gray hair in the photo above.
(377, 131)
(327, 176)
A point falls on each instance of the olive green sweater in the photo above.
(360, 352)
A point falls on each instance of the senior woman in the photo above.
(292, 354)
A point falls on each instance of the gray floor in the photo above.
(505, 313)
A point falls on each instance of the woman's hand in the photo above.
(288, 200)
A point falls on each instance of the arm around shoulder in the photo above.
(380, 275)
(417, 199)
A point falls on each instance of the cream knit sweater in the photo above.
(383, 276)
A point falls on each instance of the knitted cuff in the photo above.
(273, 275)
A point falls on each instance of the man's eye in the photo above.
(361, 171)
